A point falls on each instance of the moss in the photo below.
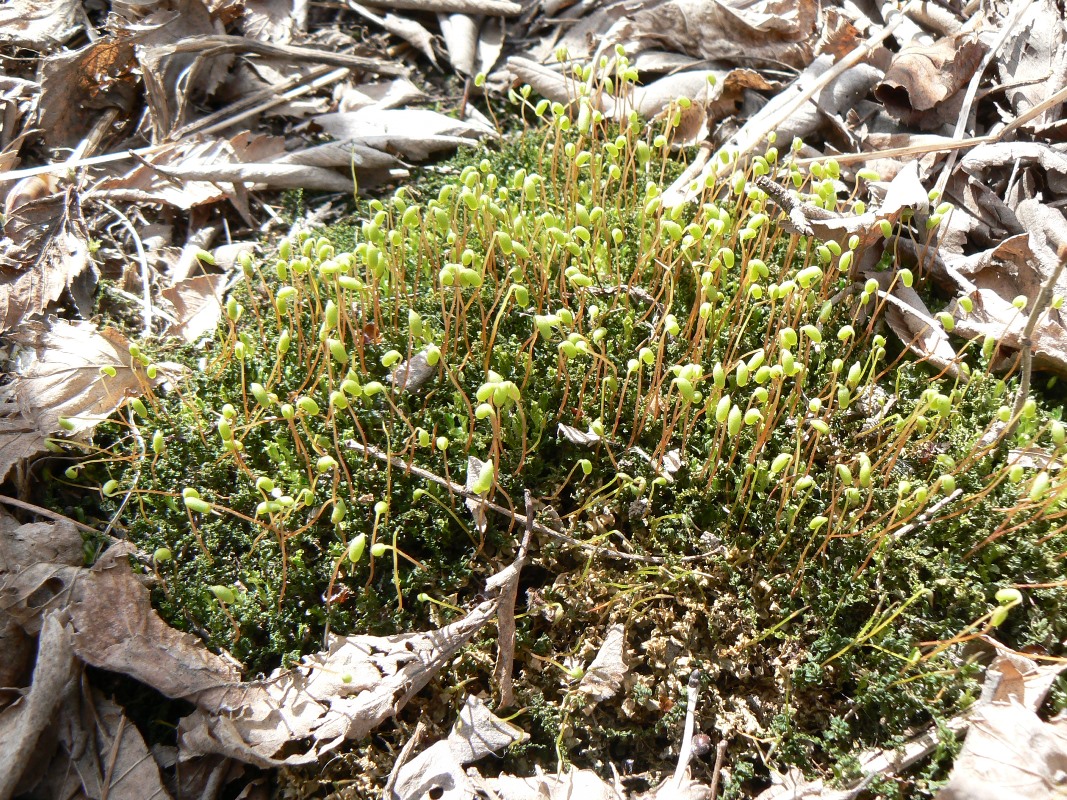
(821, 602)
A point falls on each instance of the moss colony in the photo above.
(813, 518)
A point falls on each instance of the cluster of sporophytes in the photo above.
(693, 386)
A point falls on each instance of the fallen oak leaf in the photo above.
(342, 693)
(197, 304)
(77, 376)
(29, 23)
(1009, 753)
(780, 30)
(44, 252)
(439, 771)
(25, 723)
(414, 133)
(923, 78)
(409, 30)
(164, 176)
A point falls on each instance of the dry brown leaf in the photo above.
(396, 93)
(210, 54)
(922, 79)
(412, 132)
(1017, 678)
(65, 378)
(460, 32)
(910, 319)
(270, 20)
(347, 155)
(1018, 266)
(295, 716)
(578, 436)
(709, 102)
(1010, 157)
(63, 737)
(65, 381)
(264, 175)
(24, 723)
(412, 375)
(292, 717)
(1033, 63)
(583, 783)
(115, 627)
(839, 35)
(781, 31)
(17, 663)
(608, 670)
(197, 304)
(28, 190)
(99, 753)
(33, 23)
(547, 82)
(490, 43)
(411, 31)
(167, 176)
(77, 85)
(22, 546)
(175, 76)
(473, 44)
(44, 251)
(500, 8)
(1009, 753)
(475, 468)
(584, 28)
(438, 771)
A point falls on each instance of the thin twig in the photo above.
(720, 756)
(519, 519)
(1044, 297)
(52, 515)
(219, 122)
(146, 287)
(685, 754)
(389, 793)
(925, 515)
(505, 612)
(217, 44)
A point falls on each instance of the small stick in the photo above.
(925, 515)
(1026, 350)
(685, 754)
(720, 756)
(389, 793)
(520, 519)
(505, 613)
(52, 515)
(148, 312)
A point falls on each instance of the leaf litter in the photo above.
(166, 84)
